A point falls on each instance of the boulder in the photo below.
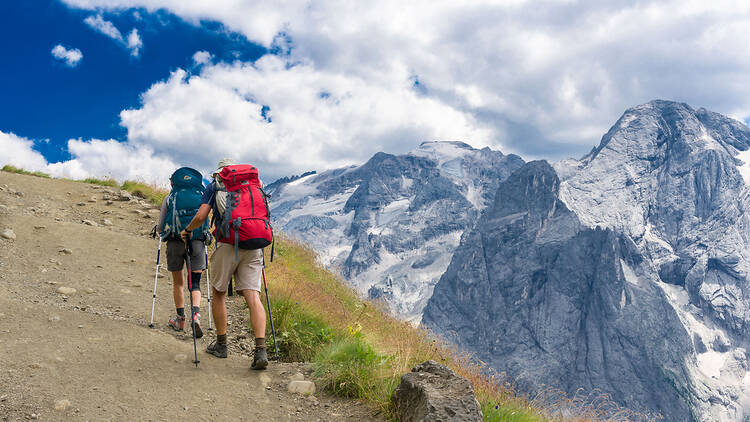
(433, 392)
(8, 234)
(301, 387)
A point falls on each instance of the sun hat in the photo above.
(223, 163)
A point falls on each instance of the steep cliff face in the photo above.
(624, 271)
(391, 225)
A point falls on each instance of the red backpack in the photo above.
(246, 219)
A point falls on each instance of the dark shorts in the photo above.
(176, 255)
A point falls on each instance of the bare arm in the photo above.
(162, 215)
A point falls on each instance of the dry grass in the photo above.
(296, 276)
(146, 191)
(13, 169)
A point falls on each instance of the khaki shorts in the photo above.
(246, 271)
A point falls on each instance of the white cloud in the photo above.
(539, 78)
(110, 158)
(312, 120)
(105, 27)
(93, 158)
(132, 42)
(19, 152)
(71, 57)
(202, 57)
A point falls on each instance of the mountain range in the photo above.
(623, 271)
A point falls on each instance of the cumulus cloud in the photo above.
(19, 152)
(285, 118)
(202, 57)
(71, 57)
(92, 158)
(105, 27)
(544, 79)
(132, 42)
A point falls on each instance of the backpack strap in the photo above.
(236, 223)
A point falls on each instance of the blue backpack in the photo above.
(183, 203)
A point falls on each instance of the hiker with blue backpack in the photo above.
(242, 229)
(177, 211)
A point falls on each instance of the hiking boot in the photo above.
(177, 323)
(216, 349)
(260, 359)
(198, 330)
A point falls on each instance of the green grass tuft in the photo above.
(145, 191)
(13, 169)
(101, 182)
(300, 333)
(350, 367)
(504, 412)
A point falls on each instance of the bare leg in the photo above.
(219, 310)
(177, 286)
(257, 312)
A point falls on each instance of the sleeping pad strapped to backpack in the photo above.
(183, 203)
(245, 221)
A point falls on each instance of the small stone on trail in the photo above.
(80, 326)
(91, 223)
(137, 285)
(110, 202)
(89, 290)
(127, 292)
(35, 366)
(301, 387)
(179, 358)
(8, 234)
(66, 290)
(297, 377)
(54, 318)
(265, 380)
(65, 251)
(106, 222)
(51, 282)
(132, 259)
(80, 204)
(40, 227)
(62, 404)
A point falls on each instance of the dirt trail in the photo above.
(89, 355)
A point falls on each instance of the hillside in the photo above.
(89, 355)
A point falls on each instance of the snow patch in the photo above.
(710, 363)
(628, 273)
(744, 169)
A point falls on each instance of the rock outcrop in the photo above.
(433, 392)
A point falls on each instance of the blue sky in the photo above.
(45, 99)
(137, 88)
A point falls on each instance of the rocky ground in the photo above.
(76, 275)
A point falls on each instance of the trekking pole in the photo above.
(190, 293)
(268, 302)
(208, 281)
(156, 277)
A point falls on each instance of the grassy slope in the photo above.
(358, 350)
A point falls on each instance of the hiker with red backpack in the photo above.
(177, 211)
(242, 229)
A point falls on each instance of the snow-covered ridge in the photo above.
(390, 225)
